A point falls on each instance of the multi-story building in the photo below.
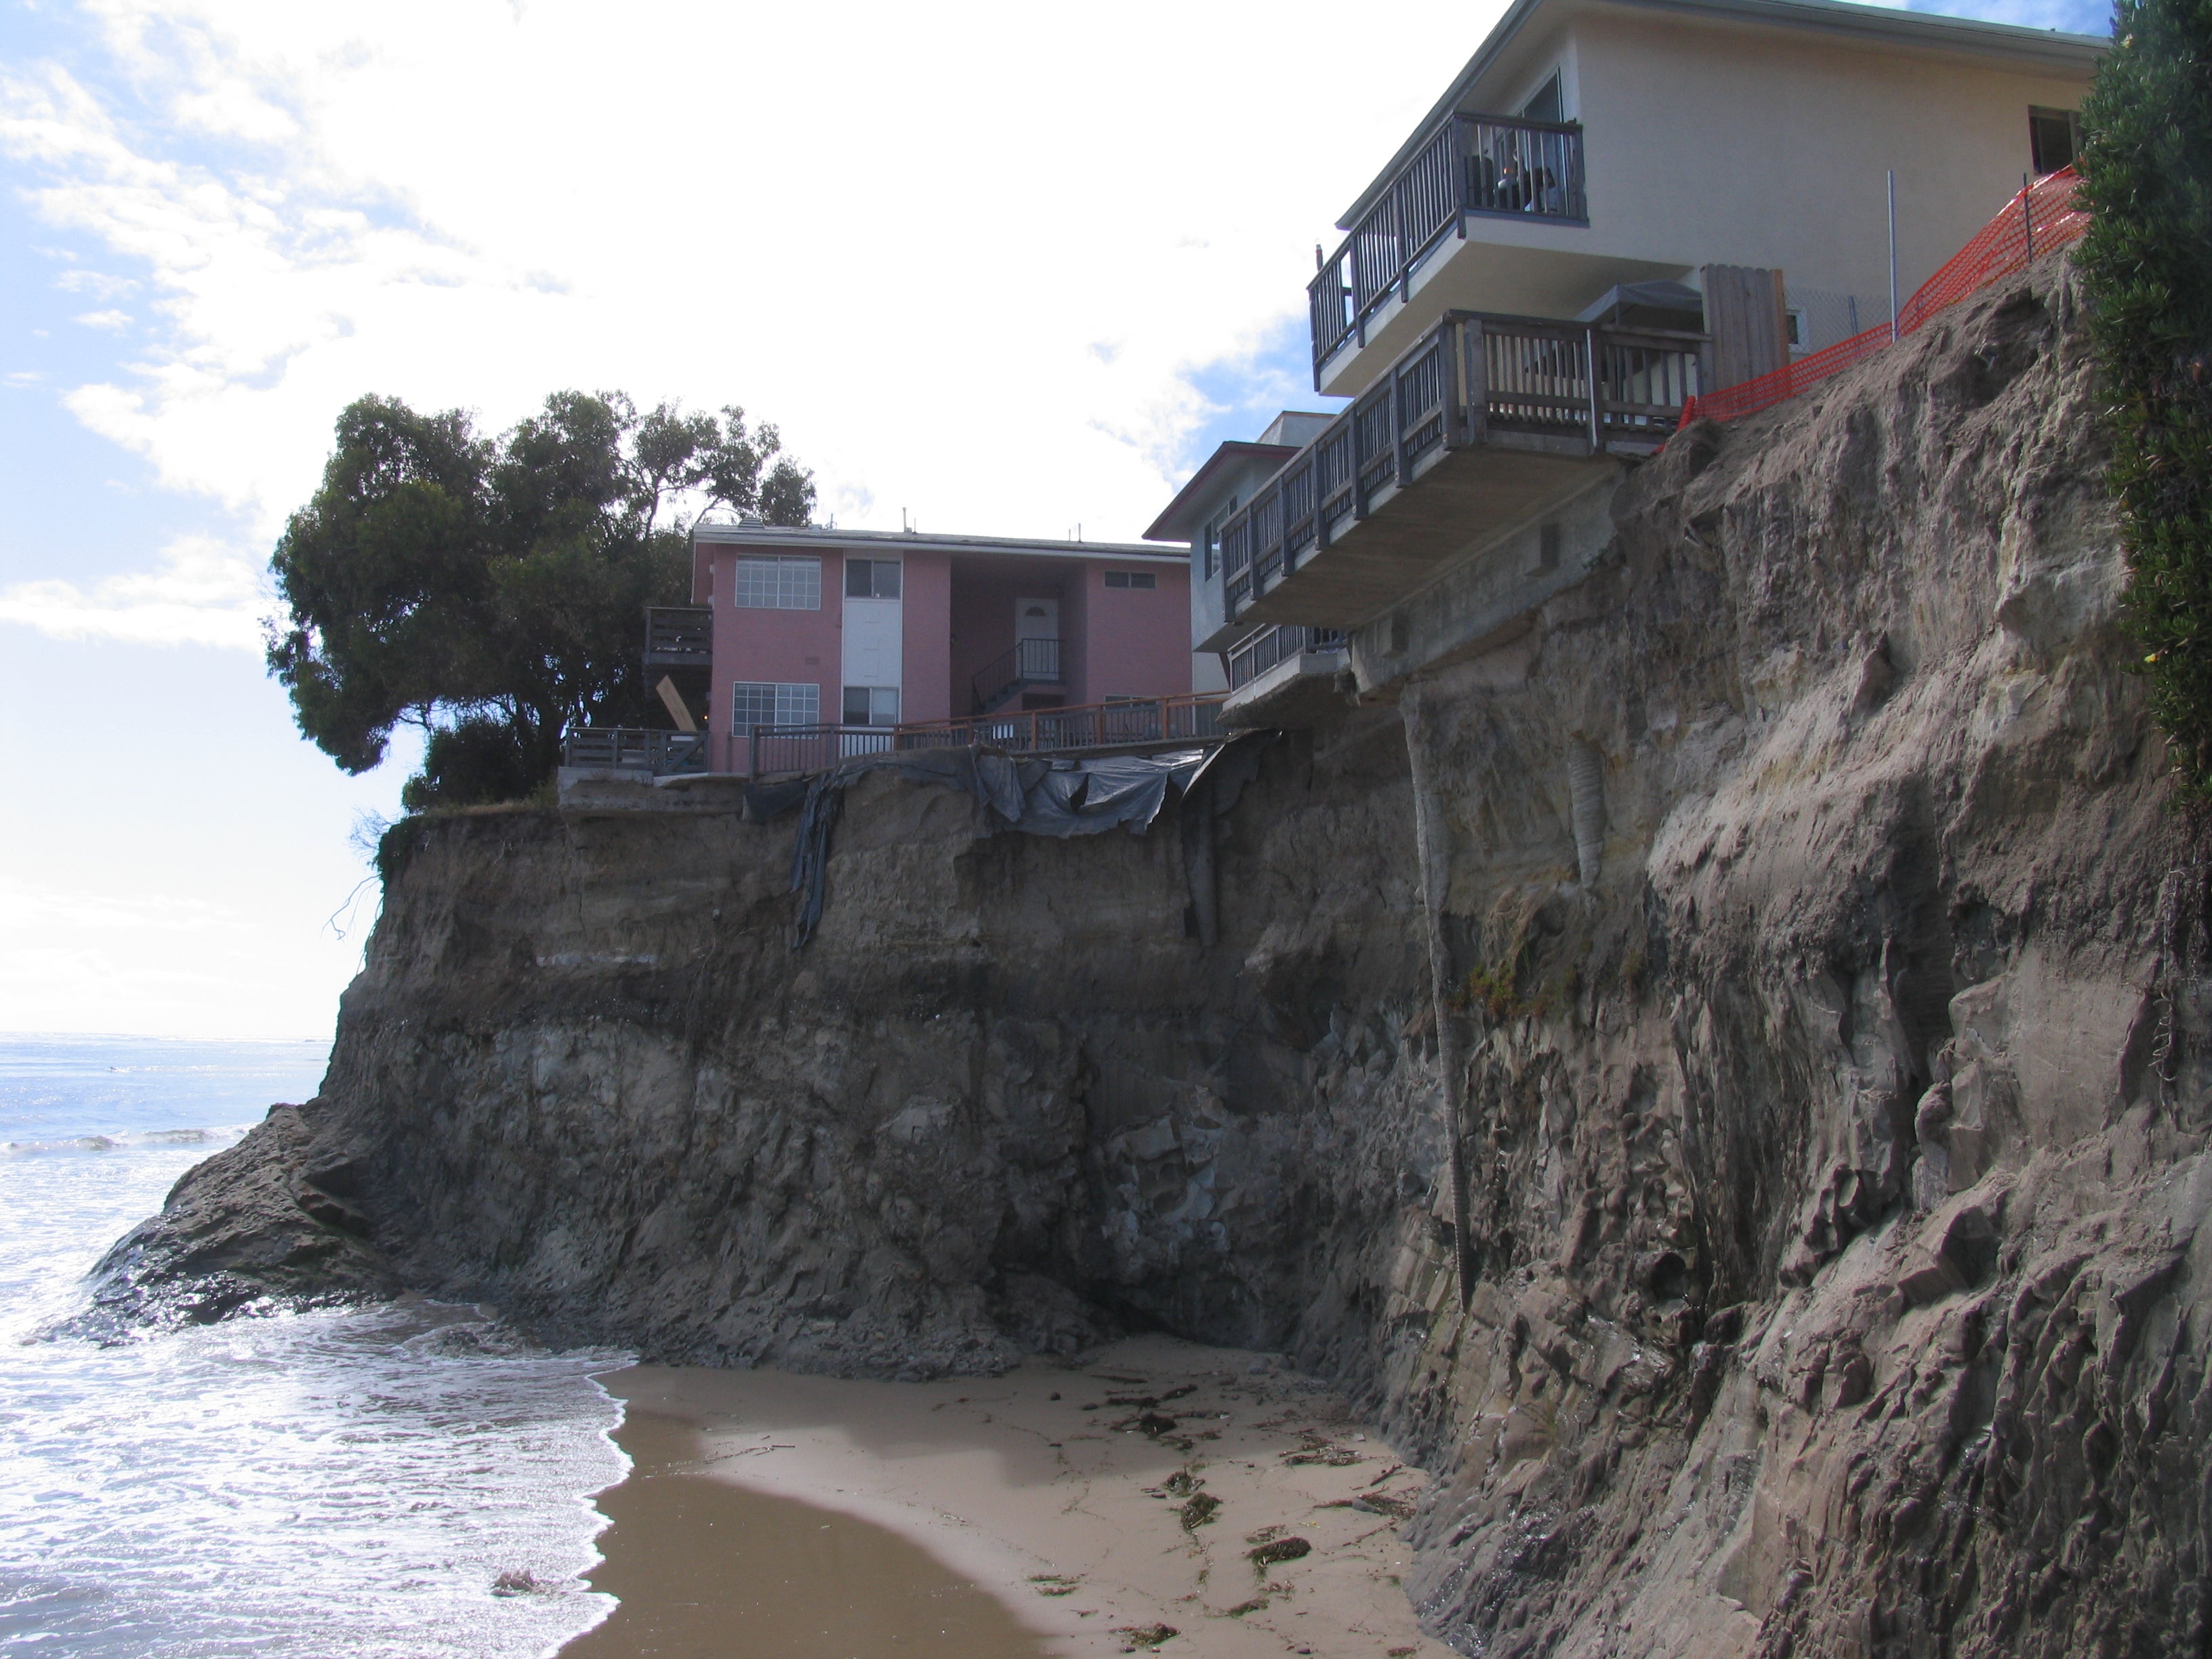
(1615, 205)
(813, 629)
(1196, 515)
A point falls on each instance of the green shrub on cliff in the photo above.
(2147, 262)
(492, 592)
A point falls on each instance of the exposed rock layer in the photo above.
(1830, 969)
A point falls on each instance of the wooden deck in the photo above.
(1485, 423)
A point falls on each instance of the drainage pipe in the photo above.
(1432, 847)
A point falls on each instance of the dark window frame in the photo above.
(871, 574)
(2043, 132)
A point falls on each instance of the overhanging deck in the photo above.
(1485, 424)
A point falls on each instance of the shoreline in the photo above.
(1100, 1503)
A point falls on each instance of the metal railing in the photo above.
(1271, 646)
(1031, 662)
(1471, 164)
(1470, 376)
(679, 636)
(656, 754)
(773, 750)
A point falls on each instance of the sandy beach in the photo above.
(1155, 1494)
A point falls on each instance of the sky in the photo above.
(1001, 270)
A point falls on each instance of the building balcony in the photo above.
(1284, 676)
(1125, 724)
(1484, 425)
(679, 637)
(630, 750)
(1490, 166)
(1489, 213)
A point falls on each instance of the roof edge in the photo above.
(1162, 529)
(773, 536)
(2053, 46)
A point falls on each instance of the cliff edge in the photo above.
(1830, 965)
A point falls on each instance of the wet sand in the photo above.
(705, 1567)
(1156, 1486)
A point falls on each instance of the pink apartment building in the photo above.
(883, 628)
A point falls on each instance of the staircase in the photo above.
(1031, 662)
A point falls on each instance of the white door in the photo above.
(1036, 619)
(1036, 639)
(872, 653)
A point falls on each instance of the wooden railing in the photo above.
(657, 753)
(1471, 164)
(1271, 646)
(1470, 376)
(774, 750)
(1031, 662)
(679, 637)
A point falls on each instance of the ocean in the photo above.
(406, 1480)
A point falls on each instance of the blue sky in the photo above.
(988, 266)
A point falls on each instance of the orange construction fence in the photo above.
(2039, 217)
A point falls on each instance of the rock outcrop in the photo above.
(1827, 956)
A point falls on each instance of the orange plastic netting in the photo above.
(2038, 218)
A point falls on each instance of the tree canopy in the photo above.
(491, 591)
(2147, 263)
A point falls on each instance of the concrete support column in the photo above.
(1432, 838)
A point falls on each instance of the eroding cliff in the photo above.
(1830, 966)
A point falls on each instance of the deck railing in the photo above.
(1031, 662)
(657, 753)
(774, 750)
(679, 637)
(1470, 376)
(1271, 646)
(1469, 165)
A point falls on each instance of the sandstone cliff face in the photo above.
(1830, 969)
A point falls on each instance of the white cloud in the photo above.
(201, 592)
(98, 283)
(109, 319)
(897, 231)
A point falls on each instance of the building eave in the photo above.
(771, 537)
(1174, 524)
(2051, 49)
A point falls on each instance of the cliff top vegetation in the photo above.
(2147, 263)
(491, 591)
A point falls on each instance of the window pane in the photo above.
(798, 705)
(760, 703)
(856, 705)
(753, 705)
(1117, 579)
(2050, 138)
(1144, 578)
(887, 579)
(884, 704)
(857, 578)
(766, 583)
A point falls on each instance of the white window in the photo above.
(1131, 578)
(1209, 539)
(757, 702)
(766, 582)
(871, 705)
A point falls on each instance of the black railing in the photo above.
(653, 754)
(1271, 646)
(774, 750)
(679, 637)
(1470, 376)
(1031, 662)
(1471, 164)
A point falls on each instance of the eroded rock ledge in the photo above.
(1838, 1074)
